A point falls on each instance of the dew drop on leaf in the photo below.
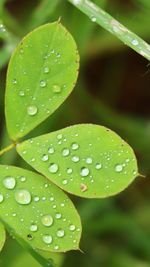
(84, 172)
(1, 198)
(33, 228)
(47, 239)
(47, 220)
(43, 83)
(72, 227)
(9, 182)
(32, 110)
(74, 146)
(53, 168)
(56, 88)
(51, 150)
(46, 69)
(65, 152)
(23, 196)
(60, 233)
(98, 166)
(45, 157)
(118, 168)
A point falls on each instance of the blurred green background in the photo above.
(112, 90)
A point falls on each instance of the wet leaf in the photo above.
(36, 212)
(41, 74)
(2, 236)
(86, 160)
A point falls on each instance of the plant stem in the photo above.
(6, 149)
(98, 15)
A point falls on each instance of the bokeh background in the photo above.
(112, 90)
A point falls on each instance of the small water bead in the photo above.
(135, 42)
(43, 83)
(9, 182)
(75, 158)
(65, 152)
(46, 69)
(23, 196)
(118, 168)
(21, 93)
(89, 160)
(69, 170)
(22, 179)
(47, 220)
(32, 110)
(36, 198)
(59, 136)
(60, 233)
(84, 172)
(98, 166)
(14, 81)
(74, 146)
(64, 182)
(53, 168)
(1, 198)
(51, 150)
(76, 2)
(47, 239)
(45, 158)
(33, 228)
(56, 247)
(58, 216)
(93, 19)
(72, 227)
(51, 198)
(56, 88)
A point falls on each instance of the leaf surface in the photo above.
(86, 160)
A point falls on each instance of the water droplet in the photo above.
(93, 19)
(1, 198)
(47, 220)
(14, 81)
(45, 157)
(43, 83)
(89, 160)
(64, 182)
(21, 93)
(76, 2)
(59, 136)
(22, 196)
(56, 88)
(9, 182)
(118, 168)
(69, 170)
(84, 171)
(51, 150)
(32, 110)
(75, 158)
(65, 152)
(53, 168)
(60, 233)
(98, 166)
(22, 179)
(135, 42)
(58, 215)
(74, 146)
(47, 239)
(72, 227)
(33, 228)
(36, 198)
(46, 69)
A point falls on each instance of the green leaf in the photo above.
(38, 213)
(2, 236)
(86, 160)
(41, 74)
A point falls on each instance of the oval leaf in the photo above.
(2, 236)
(38, 212)
(41, 74)
(86, 160)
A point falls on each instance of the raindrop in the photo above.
(9, 182)
(47, 239)
(45, 157)
(135, 42)
(58, 215)
(59, 136)
(1, 198)
(22, 179)
(36, 199)
(56, 88)
(74, 146)
(32, 110)
(53, 168)
(43, 83)
(93, 19)
(84, 171)
(64, 182)
(72, 227)
(46, 69)
(47, 220)
(98, 166)
(33, 228)
(51, 150)
(21, 93)
(60, 233)
(118, 168)
(69, 170)
(75, 158)
(89, 160)
(22, 196)
(14, 81)
(65, 152)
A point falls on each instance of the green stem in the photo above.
(98, 15)
(6, 149)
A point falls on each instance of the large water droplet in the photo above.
(60, 233)
(23, 196)
(47, 220)
(43, 83)
(56, 88)
(9, 182)
(53, 168)
(118, 168)
(32, 110)
(84, 171)
(33, 228)
(65, 152)
(21, 93)
(1, 198)
(47, 239)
